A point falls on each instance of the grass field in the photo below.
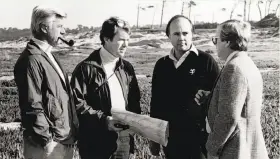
(264, 51)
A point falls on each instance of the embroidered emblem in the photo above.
(192, 71)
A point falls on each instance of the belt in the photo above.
(69, 145)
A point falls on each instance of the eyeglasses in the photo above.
(122, 23)
(214, 40)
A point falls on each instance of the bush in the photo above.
(206, 26)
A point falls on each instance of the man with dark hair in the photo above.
(101, 82)
(47, 108)
(177, 79)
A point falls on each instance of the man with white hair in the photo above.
(47, 109)
(235, 107)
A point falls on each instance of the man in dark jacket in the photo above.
(177, 79)
(103, 81)
(47, 107)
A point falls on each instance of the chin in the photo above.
(121, 54)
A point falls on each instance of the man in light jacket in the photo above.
(235, 106)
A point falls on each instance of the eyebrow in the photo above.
(180, 32)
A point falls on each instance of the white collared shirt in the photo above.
(109, 62)
(178, 63)
(47, 49)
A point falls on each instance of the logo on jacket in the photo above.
(192, 71)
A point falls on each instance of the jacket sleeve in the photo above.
(79, 83)
(232, 96)
(35, 117)
(155, 109)
(134, 102)
(134, 94)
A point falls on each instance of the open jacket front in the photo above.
(93, 101)
(45, 100)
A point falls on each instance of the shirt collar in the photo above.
(43, 45)
(192, 49)
(107, 57)
(230, 56)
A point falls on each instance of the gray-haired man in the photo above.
(45, 98)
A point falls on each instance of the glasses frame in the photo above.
(215, 40)
(122, 23)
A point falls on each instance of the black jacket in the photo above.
(93, 103)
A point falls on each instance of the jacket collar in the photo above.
(192, 49)
(43, 45)
(235, 54)
(95, 60)
(34, 49)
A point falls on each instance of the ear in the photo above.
(43, 28)
(169, 37)
(106, 39)
(227, 43)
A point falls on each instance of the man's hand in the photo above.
(201, 96)
(154, 148)
(212, 157)
(114, 125)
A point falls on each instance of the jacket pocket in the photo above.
(54, 108)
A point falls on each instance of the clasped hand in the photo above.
(115, 125)
(201, 96)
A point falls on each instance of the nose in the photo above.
(125, 43)
(62, 31)
(181, 37)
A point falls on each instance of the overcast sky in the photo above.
(17, 13)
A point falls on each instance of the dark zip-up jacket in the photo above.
(93, 101)
(45, 100)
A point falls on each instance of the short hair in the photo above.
(110, 27)
(237, 33)
(167, 31)
(40, 14)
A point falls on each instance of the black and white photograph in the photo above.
(139, 79)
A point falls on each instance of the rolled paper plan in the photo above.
(154, 129)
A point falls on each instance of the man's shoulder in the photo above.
(92, 59)
(127, 65)
(30, 56)
(163, 59)
(204, 54)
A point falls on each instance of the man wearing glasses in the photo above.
(101, 82)
(236, 102)
(177, 79)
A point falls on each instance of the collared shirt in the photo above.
(47, 49)
(178, 63)
(109, 62)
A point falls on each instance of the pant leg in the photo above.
(59, 151)
(69, 153)
(31, 151)
(86, 151)
(184, 149)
